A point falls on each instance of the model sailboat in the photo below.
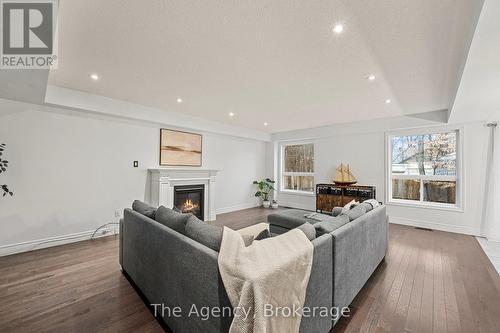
(344, 176)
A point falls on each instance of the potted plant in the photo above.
(3, 167)
(265, 188)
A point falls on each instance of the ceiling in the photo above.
(268, 61)
(478, 97)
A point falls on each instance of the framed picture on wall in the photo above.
(180, 148)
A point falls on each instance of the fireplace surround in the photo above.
(163, 181)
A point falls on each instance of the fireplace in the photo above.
(190, 199)
(163, 181)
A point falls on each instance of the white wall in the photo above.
(362, 145)
(70, 171)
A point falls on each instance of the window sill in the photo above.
(301, 193)
(425, 205)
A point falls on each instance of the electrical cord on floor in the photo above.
(72, 237)
(102, 226)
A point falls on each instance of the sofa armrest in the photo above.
(174, 270)
(120, 248)
(358, 248)
(320, 289)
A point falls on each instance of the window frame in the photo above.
(282, 173)
(458, 178)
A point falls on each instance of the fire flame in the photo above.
(189, 205)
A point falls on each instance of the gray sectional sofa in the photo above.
(174, 267)
(359, 245)
(170, 268)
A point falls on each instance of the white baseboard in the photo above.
(460, 229)
(491, 239)
(38, 244)
(237, 207)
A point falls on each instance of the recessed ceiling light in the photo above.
(387, 101)
(94, 77)
(371, 77)
(338, 28)
(179, 100)
(231, 114)
(265, 124)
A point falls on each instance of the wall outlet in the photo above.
(118, 213)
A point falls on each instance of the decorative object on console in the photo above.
(265, 189)
(329, 196)
(274, 204)
(344, 176)
(3, 167)
(180, 148)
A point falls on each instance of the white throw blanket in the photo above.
(268, 274)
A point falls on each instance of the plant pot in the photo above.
(274, 205)
(266, 203)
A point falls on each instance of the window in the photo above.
(297, 167)
(423, 169)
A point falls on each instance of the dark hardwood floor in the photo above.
(430, 281)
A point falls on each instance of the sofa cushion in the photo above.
(263, 235)
(172, 219)
(336, 211)
(350, 205)
(290, 218)
(248, 239)
(374, 203)
(144, 209)
(330, 225)
(204, 233)
(309, 230)
(368, 207)
(356, 212)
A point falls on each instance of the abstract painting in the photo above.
(180, 148)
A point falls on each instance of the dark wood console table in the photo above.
(329, 196)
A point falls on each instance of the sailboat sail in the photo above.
(343, 175)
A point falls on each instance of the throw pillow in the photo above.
(330, 225)
(172, 219)
(144, 209)
(204, 233)
(374, 203)
(247, 239)
(263, 235)
(336, 211)
(355, 212)
(349, 206)
(308, 230)
(368, 207)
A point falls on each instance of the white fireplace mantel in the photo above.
(163, 181)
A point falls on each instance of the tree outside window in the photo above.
(424, 168)
(297, 173)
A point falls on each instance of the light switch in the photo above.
(136, 164)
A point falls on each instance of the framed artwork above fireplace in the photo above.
(180, 148)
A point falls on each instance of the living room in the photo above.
(363, 133)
